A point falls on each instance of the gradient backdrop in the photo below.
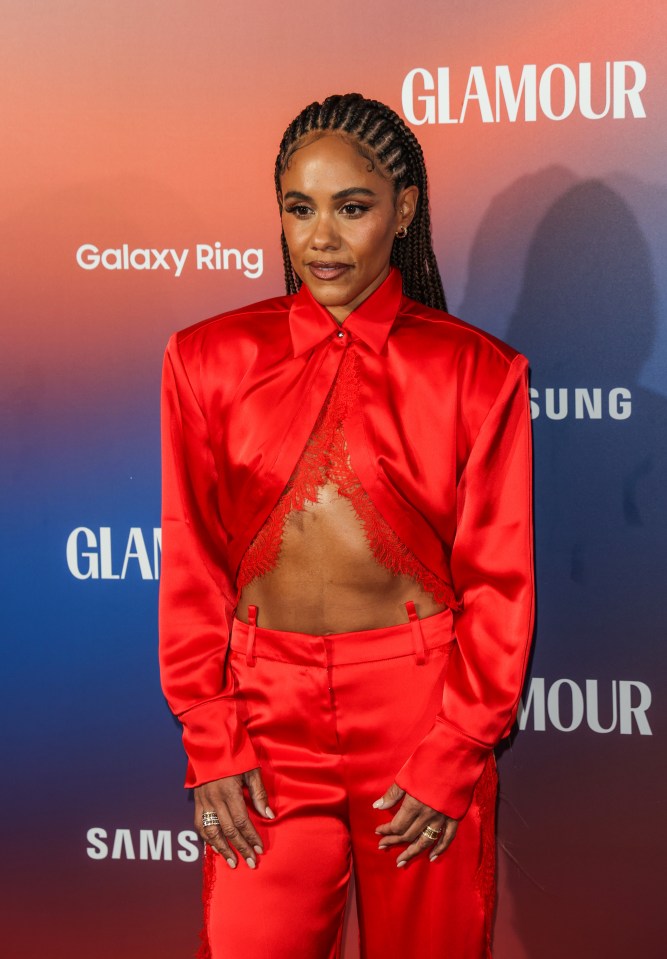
(156, 125)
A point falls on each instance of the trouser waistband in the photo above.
(417, 636)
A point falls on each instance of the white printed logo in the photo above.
(95, 555)
(498, 94)
(148, 845)
(566, 706)
(251, 262)
(581, 403)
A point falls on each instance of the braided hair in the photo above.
(384, 139)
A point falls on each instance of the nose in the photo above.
(325, 234)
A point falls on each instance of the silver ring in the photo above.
(209, 819)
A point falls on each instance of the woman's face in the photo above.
(340, 218)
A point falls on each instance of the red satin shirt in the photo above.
(440, 440)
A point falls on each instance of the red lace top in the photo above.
(326, 457)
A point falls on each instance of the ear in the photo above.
(406, 206)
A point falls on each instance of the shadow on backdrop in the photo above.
(579, 817)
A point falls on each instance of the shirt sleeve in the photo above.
(196, 603)
(492, 572)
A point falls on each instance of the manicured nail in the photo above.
(383, 846)
(269, 813)
(403, 862)
(231, 863)
(258, 850)
(379, 803)
(251, 862)
(433, 858)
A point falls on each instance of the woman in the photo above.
(347, 587)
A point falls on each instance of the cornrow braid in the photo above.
(384, 139)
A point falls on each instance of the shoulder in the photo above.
(215, 354)
(251, 323)
(442, 330)
(448, 349)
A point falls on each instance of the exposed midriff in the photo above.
(325, 561)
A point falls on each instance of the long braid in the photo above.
(384, 138)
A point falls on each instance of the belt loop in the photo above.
(250, 643)
(417, 635)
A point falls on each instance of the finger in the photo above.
(446, 838)
(234, 826)
(410, 810)
(238, 830)
(409, 835)
(258, 794)
(420, 844)
(213, 836)
(415, 830)
(414, 849)
(206, 833)
(220, 845)
(390, 798)
(240, 817)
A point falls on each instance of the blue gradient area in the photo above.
(91, 743)
(587, 315)
(80, 657)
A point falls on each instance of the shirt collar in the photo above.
(310, 322)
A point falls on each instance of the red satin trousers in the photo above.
(333, 718)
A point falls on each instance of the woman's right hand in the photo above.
(225, 798)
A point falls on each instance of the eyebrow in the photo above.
(341, 195)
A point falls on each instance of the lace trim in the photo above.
(326, 457)
(485, 795)
(208, 881)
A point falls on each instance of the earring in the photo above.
(402, 232)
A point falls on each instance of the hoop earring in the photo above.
(402, 232)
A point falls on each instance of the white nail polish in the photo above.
(378, 804)
(433, 858)
(269, 813)
(251, 862)
(258, 850)
(231, 864)
(403, 862)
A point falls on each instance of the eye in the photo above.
(299, 210)
(354, 210)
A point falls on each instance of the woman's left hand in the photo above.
(409, 823)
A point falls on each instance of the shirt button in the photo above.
(340, 334)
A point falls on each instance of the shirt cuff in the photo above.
(443, 770)
(216, 742)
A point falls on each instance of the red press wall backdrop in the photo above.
(136, 196)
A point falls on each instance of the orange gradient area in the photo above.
(158, 127)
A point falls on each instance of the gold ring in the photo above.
(430, 833)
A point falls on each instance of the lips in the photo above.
(328, 271)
